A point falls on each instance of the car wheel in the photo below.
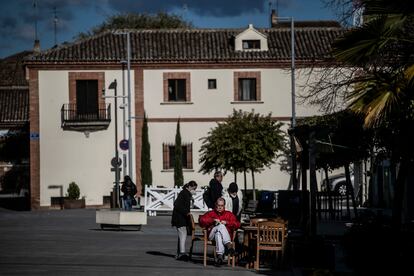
(341, 189)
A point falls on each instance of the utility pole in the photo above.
(293, 94)
(129, 117)
(124, 104)
(115, 162)
(130, 170)
(293, 101)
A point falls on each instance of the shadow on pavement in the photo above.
(158, 253)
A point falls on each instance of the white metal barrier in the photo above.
(162, 199)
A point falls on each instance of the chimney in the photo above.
(273, 18)
(36, 47)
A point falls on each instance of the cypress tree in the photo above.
(146, 172)
(178, 164)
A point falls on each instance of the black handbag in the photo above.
(189, 226)
(134, 201)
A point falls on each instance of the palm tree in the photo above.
(383, 89)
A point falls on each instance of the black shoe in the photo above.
(219, 260)
(183, 257)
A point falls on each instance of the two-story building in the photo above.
(197, 75)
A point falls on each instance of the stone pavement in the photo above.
(69, 242)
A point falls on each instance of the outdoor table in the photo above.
(249, 244)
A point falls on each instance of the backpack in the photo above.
(207, 197)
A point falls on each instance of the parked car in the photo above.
(337, 183)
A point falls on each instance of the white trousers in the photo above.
(182, 236)
(220, 234)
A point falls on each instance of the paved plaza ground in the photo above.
(69, 242)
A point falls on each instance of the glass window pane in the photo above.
(247, 89)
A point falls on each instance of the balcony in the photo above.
(72, 119)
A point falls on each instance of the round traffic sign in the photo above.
(114, 163)
(123, 144)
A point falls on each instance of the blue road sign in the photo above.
(123, 144)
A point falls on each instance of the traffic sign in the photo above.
(124, 144)
(114, 163)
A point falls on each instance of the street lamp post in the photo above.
(124, 104)
(293, 125)
(130, 171)
(293, 100)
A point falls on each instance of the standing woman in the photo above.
(234, 200)
(180, 217)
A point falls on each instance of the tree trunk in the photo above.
(254, 186)
(350, 190)
(235, 176)
(399, 195)
(245, 199)
(294, 166)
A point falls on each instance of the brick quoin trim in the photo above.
(139, 121)
(249, 75)
(177, 75)
(34, 143)
(74, 76)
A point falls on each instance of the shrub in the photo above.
(73, 191)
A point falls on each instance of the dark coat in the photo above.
(181, 208)
(129, 189)
(216, 191)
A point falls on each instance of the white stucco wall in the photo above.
(251, 34)
(216, 103)
(159, 133)
(275, 95)
(67, 156)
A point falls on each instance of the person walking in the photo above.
(181, 217)
(220, 225)
(129, 189)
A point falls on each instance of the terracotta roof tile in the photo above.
(194, 45)
(12, 71)
(14, 107)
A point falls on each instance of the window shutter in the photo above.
(165, 156)
(189, 156)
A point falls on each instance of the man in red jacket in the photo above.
(220, 224)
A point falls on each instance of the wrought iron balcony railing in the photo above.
(76, 120)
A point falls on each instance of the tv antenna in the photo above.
(35, 18)
(55, 21)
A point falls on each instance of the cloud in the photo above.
(213, 8)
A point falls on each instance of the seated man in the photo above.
(220, 224)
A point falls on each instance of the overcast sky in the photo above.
(18, 17)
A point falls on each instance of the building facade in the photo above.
(198, 76)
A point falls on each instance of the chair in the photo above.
(271, 236)
(202, 235)
(255, 221)
(198, 234)
(251, 207)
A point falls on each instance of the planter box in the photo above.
(119, 218)
(73, 203)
